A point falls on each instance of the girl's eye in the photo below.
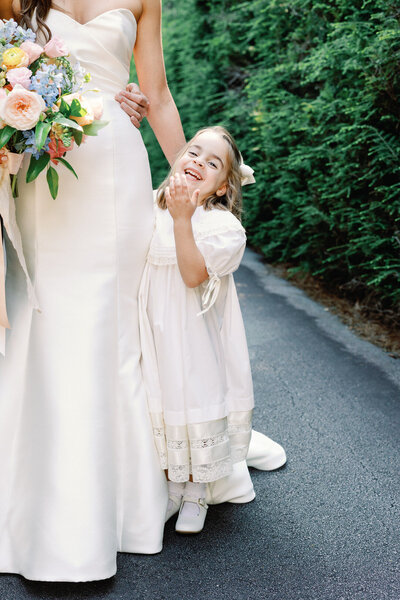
(212, 164)
(192, 153)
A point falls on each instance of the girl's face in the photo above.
(205, 165)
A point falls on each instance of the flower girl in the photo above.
(194, 354)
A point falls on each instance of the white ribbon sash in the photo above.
(210, 294)
(7, 212)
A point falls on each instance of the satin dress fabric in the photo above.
(80, 478)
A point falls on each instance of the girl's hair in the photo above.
(42, 10)
(232, 199)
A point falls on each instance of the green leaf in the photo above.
(36, 166)
(78, 136)
(67, 122)
(77, 109)
(41, 132)
(68, 165)
(5, 134)
(65, 108)
(94, 127)
(52, 180)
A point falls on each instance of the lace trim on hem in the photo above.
(175, 454)
(178, 473)
(209, 442)
(177, 444)
(212, 471)
(239, 428)
(206, 473)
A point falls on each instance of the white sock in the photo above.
(195, 490)
(175, 489)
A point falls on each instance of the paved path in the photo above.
(326, 526)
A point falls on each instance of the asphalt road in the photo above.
(324, 527)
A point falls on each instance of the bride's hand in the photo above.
(134, 103)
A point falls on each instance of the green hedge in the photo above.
(311, 91)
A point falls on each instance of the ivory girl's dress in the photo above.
(194, 354)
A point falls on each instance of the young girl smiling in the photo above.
(194, 353)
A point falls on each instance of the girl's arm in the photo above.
(181, 206)
(162, 115)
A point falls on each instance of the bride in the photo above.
(79, 473)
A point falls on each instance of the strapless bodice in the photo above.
(103, 46)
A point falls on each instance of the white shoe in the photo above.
(236, 487)
(264, 453)
(174, 504)
(192, 515)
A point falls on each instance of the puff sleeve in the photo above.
(222, 251)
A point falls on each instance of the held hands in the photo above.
(180, 203)
(134, 103)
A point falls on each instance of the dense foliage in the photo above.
(311, 91)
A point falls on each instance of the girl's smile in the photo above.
(204, 164)
(193, 174)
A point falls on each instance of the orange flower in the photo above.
(88, 118)
(57, 149)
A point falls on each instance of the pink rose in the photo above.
(21, 108)
(32, 50)
(21, 75)
(56, 47)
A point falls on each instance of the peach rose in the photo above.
(21, 108)
(97, 107)
(86, 119)
(33, 50)
(3, 96)
(14, 58)
(56, 47)
(21, 75)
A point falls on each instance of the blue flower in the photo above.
(78, 76)
(12, 33)
(30, 142)
(24, 35)
(47, 81)
(8, 31)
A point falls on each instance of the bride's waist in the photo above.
(111, 107)
(106, 87)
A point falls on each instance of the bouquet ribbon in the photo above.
(7, 213)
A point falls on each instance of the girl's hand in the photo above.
(179, 202)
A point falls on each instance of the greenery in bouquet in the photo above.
(42, 109)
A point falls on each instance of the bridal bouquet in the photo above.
(42, 109)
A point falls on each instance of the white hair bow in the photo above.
(247, 174)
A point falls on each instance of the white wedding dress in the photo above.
(79, 473)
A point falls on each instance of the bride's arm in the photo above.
(162, 114)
